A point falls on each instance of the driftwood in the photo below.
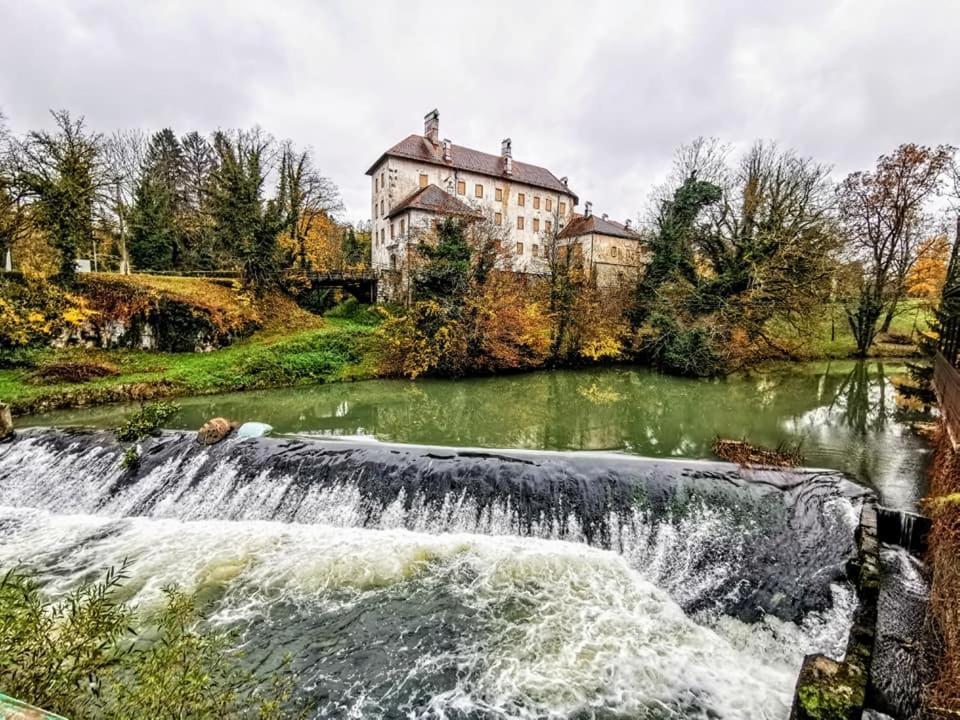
(743, 453)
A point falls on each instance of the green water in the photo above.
(843, 414)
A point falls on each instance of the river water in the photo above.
(412, 574)
(842, 414)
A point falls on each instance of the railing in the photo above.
(946, 384)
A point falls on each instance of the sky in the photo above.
(602, 92)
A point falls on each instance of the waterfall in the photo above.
(450, 583)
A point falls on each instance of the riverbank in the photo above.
(943, 507)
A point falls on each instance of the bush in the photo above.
(34, 311)
(681, 351)
(315, 357)
(353, 310)
(82, 658)
(146, 421)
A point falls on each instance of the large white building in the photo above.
(423, 177)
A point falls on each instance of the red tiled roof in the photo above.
(580, 225)
(433, 199)
(417, 147)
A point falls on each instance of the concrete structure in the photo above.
(422, 178)
(613, 253)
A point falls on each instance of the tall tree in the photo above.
(309, 197)
(124, 157)
(156, 242)
(201, 249)
(243, 219)
(12, 215)
(61, 173)
(879, 210)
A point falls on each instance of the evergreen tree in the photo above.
(201, 250)
(446, 274)
(156, 241)
(243, 221)
(354, 252)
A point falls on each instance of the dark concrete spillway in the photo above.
(743, 542)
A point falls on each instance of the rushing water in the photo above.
(841, 413)
(436, 583)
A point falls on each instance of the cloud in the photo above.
(602, 92)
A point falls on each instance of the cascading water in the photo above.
(427, 582)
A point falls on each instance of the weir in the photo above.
(757, 546)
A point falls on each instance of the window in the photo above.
(535, 249)
(424, 180)
(549, 226)
(403, 226)
(478, 190)
(383, 180)
(498, 218)
(549, 204)
(519, 248)
(498, 193)
(376, 184)
(461, 187)
(520, 223)
(381, 207)
(392, 229)
(383, 236)
(521, 199)
(563, 208)
(536, 224)
(536, 202)
(614, 251)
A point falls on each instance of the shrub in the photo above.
(82, 658)
(353, 310)
(679, 350)
(146, 421)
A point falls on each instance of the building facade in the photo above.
(422, 178)
(613, 253)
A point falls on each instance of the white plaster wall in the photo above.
(401, 178)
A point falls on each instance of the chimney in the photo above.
(446, 150)
(587, 209)
(506, 148)
(627, 224)
(605, 216)
(431, 126)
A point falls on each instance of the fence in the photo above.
(946, 383)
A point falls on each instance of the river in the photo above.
(842, 414)
(434, 550)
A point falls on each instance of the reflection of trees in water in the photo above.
(861, 399)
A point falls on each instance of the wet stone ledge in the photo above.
(828, 689)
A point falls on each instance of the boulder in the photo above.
(213, 431)
(254, 429)
(6, 422)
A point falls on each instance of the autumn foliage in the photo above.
(467, 318)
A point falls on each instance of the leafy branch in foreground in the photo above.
(81, 657)
(148, 420)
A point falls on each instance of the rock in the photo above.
(254, 429)
(6, 422)
(213, 431)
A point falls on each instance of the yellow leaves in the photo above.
(598, 395)
(929, 272)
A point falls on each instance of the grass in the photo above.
(330, 351)
(830, 338)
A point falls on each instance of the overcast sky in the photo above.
(599, 91)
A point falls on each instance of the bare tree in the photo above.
(309, 195)
(880, 211)
(13, 219)
(123, 153)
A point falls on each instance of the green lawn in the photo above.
(338, 350)
(829, 337)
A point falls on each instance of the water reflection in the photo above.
(843, 414)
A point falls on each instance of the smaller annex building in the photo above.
(612, 252)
